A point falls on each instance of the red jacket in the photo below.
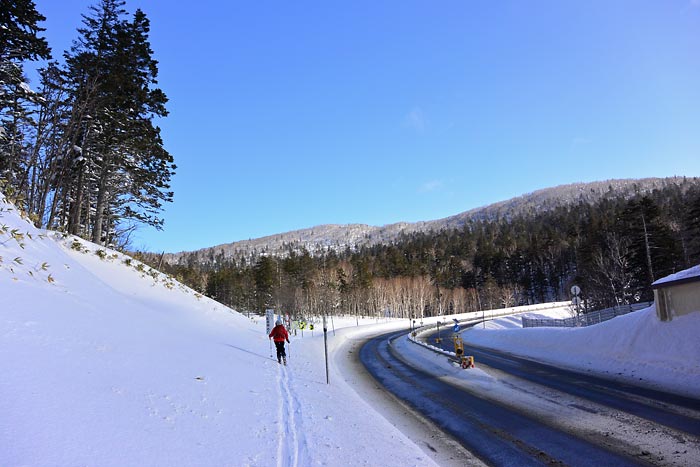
(279, 333)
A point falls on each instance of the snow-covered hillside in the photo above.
(105, 362)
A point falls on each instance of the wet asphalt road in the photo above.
(501, 436)
(617, 395)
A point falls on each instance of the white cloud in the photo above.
(415, 120)
(431, 185)
(579, 141)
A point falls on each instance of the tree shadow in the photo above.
(248, 351)
(306, 380)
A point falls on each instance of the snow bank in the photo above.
(636, 347)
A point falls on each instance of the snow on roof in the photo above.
(687, 275)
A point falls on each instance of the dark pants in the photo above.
(280, 350)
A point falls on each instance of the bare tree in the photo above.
(615, 276)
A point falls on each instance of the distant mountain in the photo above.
(342, 237)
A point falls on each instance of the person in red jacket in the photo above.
(279, 334)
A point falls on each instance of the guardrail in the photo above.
(587, 319)
(474, 317)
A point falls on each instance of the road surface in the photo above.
(533, 414)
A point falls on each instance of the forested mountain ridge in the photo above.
(613, 243)
(339, 238)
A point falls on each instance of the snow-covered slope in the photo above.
(105, 362)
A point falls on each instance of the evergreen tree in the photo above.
(264, 273)
(692, 227)
(19, 42)
(45, 150)
(653, 250)
(121, 170)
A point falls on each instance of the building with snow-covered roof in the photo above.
(677, 294)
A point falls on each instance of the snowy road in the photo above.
(529, 416)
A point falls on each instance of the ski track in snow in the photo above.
(292, 449)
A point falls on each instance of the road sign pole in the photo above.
(575, 291)
(325, 345)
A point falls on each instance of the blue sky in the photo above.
(285, 115)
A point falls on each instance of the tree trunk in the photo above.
(76, 205)
(648, 250)
(100, 207)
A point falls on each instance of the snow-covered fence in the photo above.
(587, 319)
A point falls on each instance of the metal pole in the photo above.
(325, 345)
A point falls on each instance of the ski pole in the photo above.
(270, 347)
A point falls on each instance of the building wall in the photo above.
(677, 300)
